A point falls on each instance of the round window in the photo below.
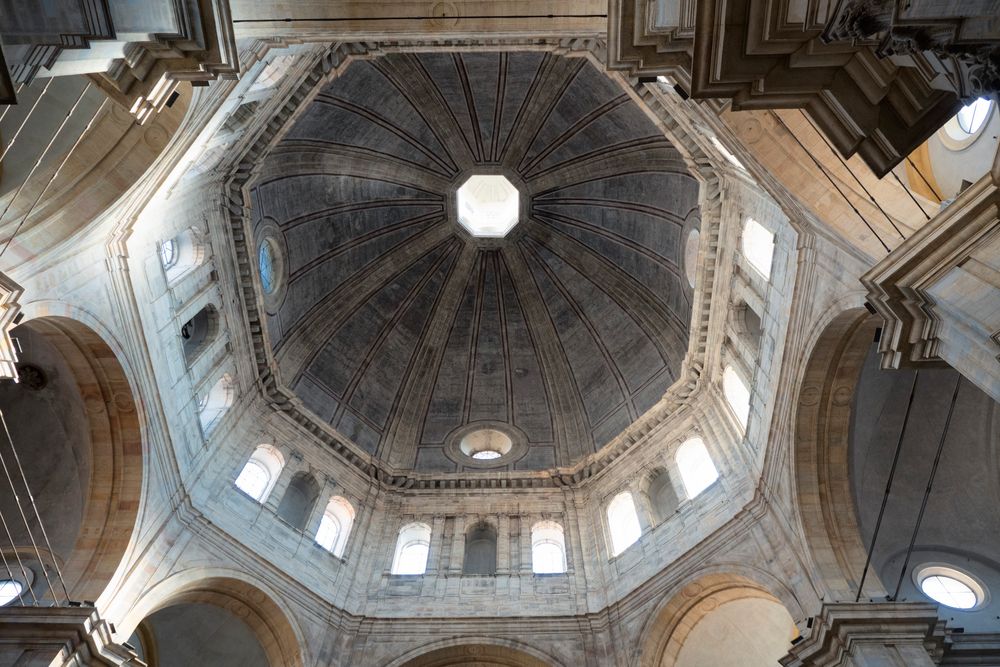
(10, 590)
(168, 253)
(485, 444)
(965, 127)
(691, 256)
(973, 116)
(265, 265)
(950, 587)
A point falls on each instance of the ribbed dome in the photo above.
(396, 326)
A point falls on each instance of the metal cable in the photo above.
(24, 518)
(17, 554)
(922, 178)
(927, 491)
(55, 175)
(8, 107)
(835, 186)
(853, 175)
(34, 507)
(10, 575)
(888, 487)
(45, 151)
(909, 192)
(24, 121)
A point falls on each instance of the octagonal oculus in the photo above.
(488, 206)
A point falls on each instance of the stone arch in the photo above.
(669, 626)
(480, 651)
(248, 600)
(827, 516)
(108, 455)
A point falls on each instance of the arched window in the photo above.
(696, 467)
(758, 246)
(299, 499)
(335, 526)
(412, 548)
(181, 254)
(261, 472)
(623, 522)
(662, 496)
(199, 331)
(548, 548)
(213, 404)
(737, 395)
(749, 324)
(480, 550)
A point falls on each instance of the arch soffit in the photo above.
(248, 598)
(489, 650)
(819, 460)
(687, 603)
(116, 491)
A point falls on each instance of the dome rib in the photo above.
(402, 331)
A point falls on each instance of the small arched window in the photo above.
(737, 395)
(335, 526)
(691, 256)
(181, 254)
(214, 403)
(696, 466)
(199, 331)
(548, 548)
(480, 550)
(412, 548)
(623, 522)
(662, 496)
(299, 499)
(260, 472)
(748, 323)
(758, 246)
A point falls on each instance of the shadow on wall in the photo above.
(74, 422)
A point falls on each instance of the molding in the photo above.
(10, 295)
(899, 287)
(843, 633)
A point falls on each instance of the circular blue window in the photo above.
(265, 264)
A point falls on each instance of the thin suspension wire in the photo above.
(924, 179)
(17, 555)
(34, 507)
(909, 192)
(888, 487)
(24, 121)
(835, 186)
(10, 577)
(17, 91)
(24, 517)
(927, 491)
(45, 152)
(55, 175)
(853, 175)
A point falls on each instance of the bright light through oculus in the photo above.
(972, 116)
(487, 454)
(488, 206)
(949, 591)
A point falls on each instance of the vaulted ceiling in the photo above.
(398, 328)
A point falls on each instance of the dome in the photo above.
(404, 331)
